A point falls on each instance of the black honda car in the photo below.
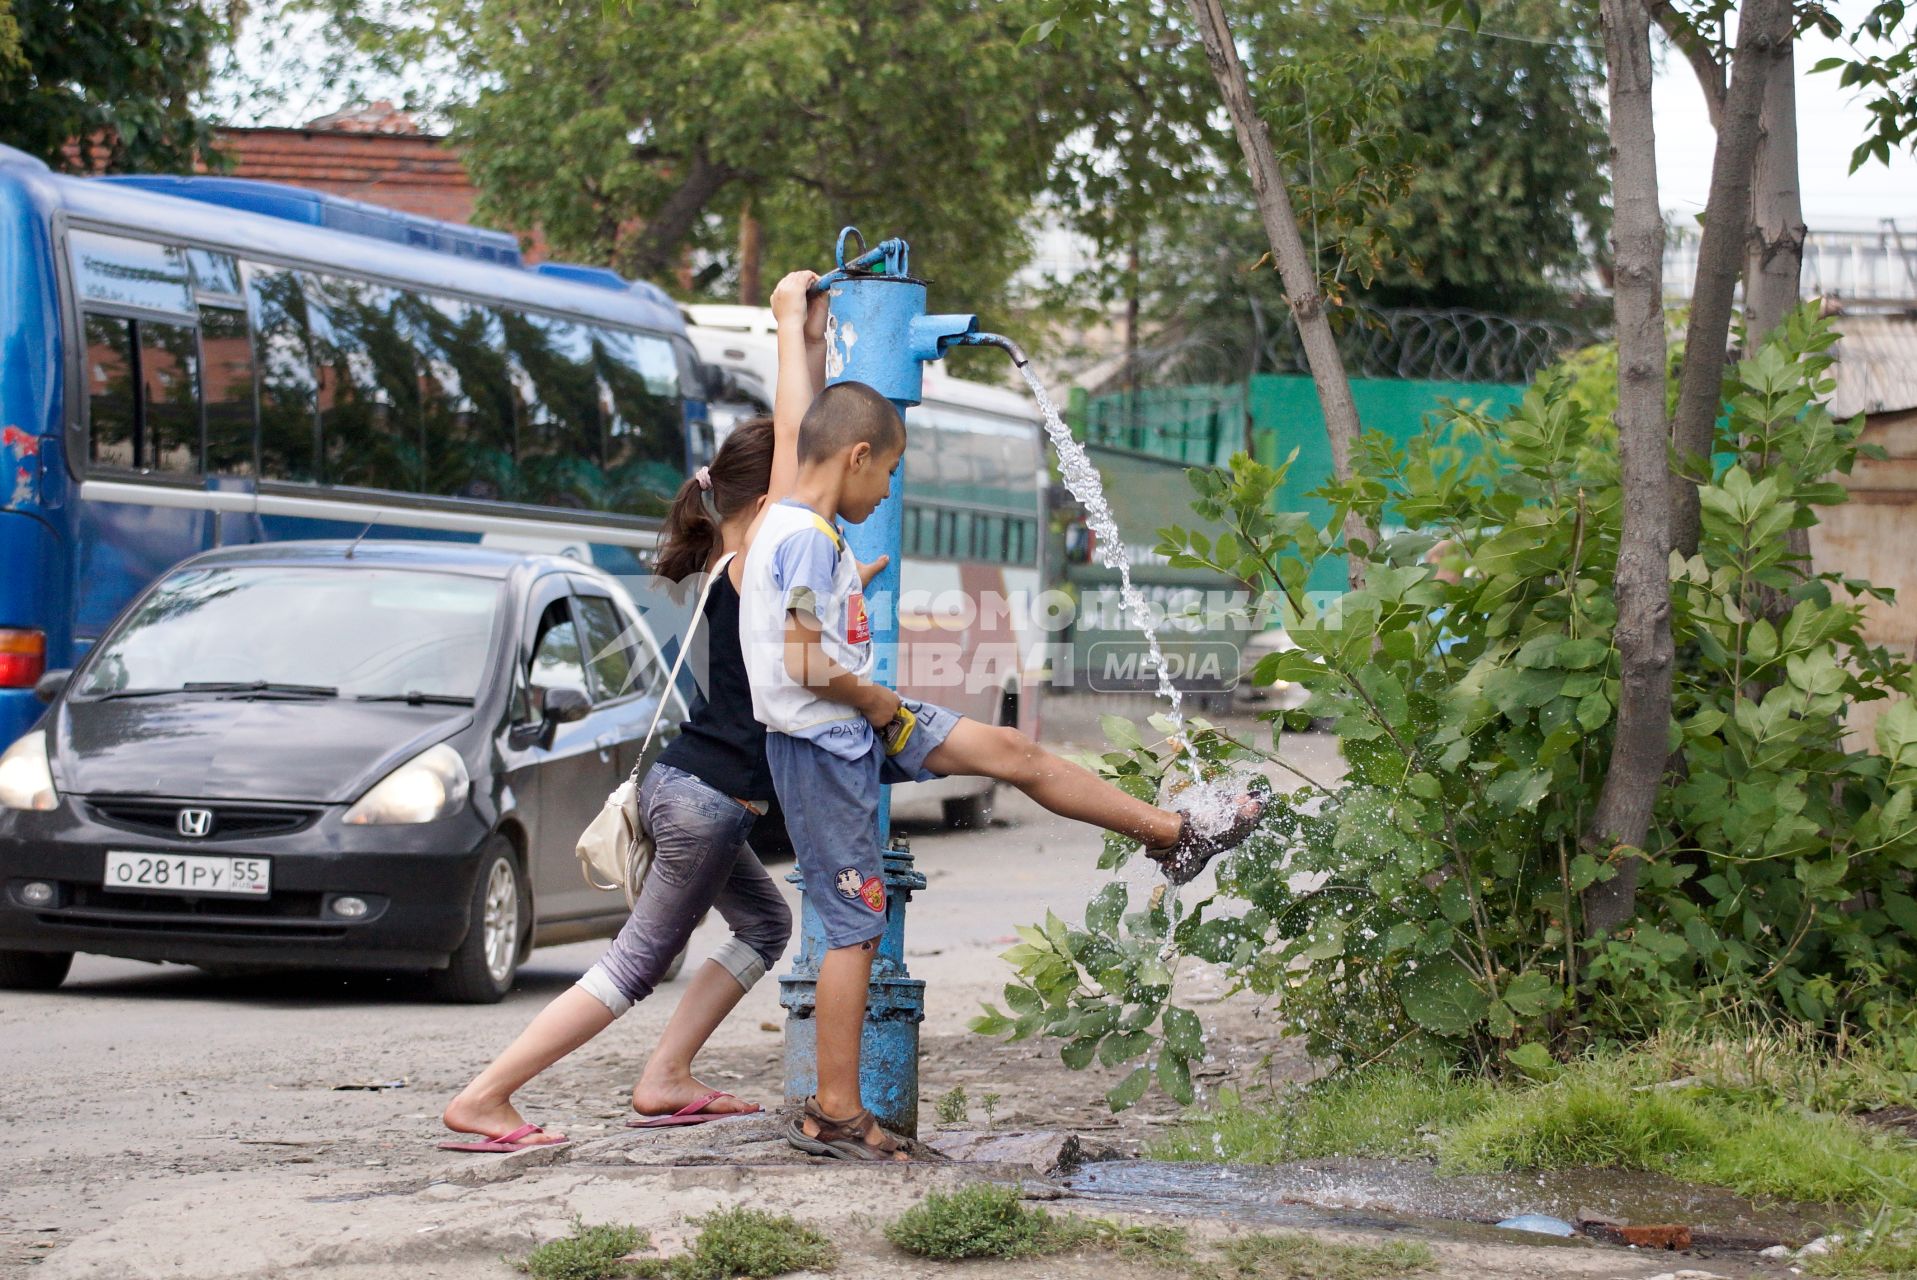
(323, 754)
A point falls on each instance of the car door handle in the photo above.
(606, 742)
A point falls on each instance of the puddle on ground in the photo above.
(1353, 1190)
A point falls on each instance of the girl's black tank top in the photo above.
(721, 744)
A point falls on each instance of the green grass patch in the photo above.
(1383, 1112)
(589, 1253)
(732, 1244)
(747, 1242)
(1287, 1255)
(983, 1220)
(1603, 1114)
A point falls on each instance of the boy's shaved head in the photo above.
(849, 413)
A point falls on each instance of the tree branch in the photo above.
(1690, 42)
(1295, 265)
(1763, 25)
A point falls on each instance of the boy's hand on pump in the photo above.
(792, 306)
(816, 309)
(867, 572)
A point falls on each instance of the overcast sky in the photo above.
(1829, 123)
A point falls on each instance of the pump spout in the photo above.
(1010, 348)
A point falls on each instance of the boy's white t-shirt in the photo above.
(798, 561)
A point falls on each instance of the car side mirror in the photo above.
(49, 686)
(565, 704)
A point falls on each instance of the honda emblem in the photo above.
(197, 823)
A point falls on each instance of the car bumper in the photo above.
(417, 882)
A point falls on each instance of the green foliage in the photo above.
(1882, 64)
(1290, 1255)
(1427, 908)
(751, 1243)
(983, 1220)
(589, 1253)
(118, 79)
(1427, 167)
(951, 1105)
(1385, 1112)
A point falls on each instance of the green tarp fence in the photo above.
(1267, 416)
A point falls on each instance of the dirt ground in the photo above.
(167, 1124)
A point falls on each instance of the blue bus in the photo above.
(191, 362)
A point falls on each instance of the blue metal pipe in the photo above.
(878, 333)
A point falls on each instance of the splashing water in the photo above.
(1085, 484)
(1209, 807)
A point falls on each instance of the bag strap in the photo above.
(678, 663)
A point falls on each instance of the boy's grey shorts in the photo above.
(831, 812)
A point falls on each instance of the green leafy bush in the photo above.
(752, 1243)
(1427, 906)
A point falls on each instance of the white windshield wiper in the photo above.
(413, 697)
(260, 686)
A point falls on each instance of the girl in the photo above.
(701, 800)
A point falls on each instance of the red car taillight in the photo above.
(23, 658)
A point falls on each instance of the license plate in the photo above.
(188, 873)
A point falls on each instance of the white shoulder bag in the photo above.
(615, 850)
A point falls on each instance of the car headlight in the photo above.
(430, 785)
(25, 780)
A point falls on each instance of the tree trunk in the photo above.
(751, 247)
(654, 250)
(1295, 265)
(1773, 271)
(1642, 585)
(1772, 275)
(1763, 26)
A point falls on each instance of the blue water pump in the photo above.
(877, 332)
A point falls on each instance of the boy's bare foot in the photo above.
(490, 1119)
(1186, 856)
(667, 1094)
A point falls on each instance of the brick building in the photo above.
(377, 154)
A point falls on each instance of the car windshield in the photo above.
(298, 631)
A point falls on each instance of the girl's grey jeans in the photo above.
(700, 860)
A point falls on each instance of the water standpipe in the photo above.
(877, 332)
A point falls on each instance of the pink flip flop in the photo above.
(505, 1142)
(693, 1112)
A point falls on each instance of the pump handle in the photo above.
(890, 257)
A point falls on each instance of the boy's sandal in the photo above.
(842, 1139)
(1186, 856)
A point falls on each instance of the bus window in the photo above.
(110, 399)
(227, 377)
(130, 273)
(289, 423)
(466, 397)
(143, 395)
(169, 397)
(556, 410)
(368, 388)
(644, 452)
(216, 276)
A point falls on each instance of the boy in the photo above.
(835, 737)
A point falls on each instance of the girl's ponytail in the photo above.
(735, 480)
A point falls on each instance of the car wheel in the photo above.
(969, 813)
(33, 970)
(481, 970)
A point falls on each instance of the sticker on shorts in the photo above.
(847, 882)
(872, 893)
